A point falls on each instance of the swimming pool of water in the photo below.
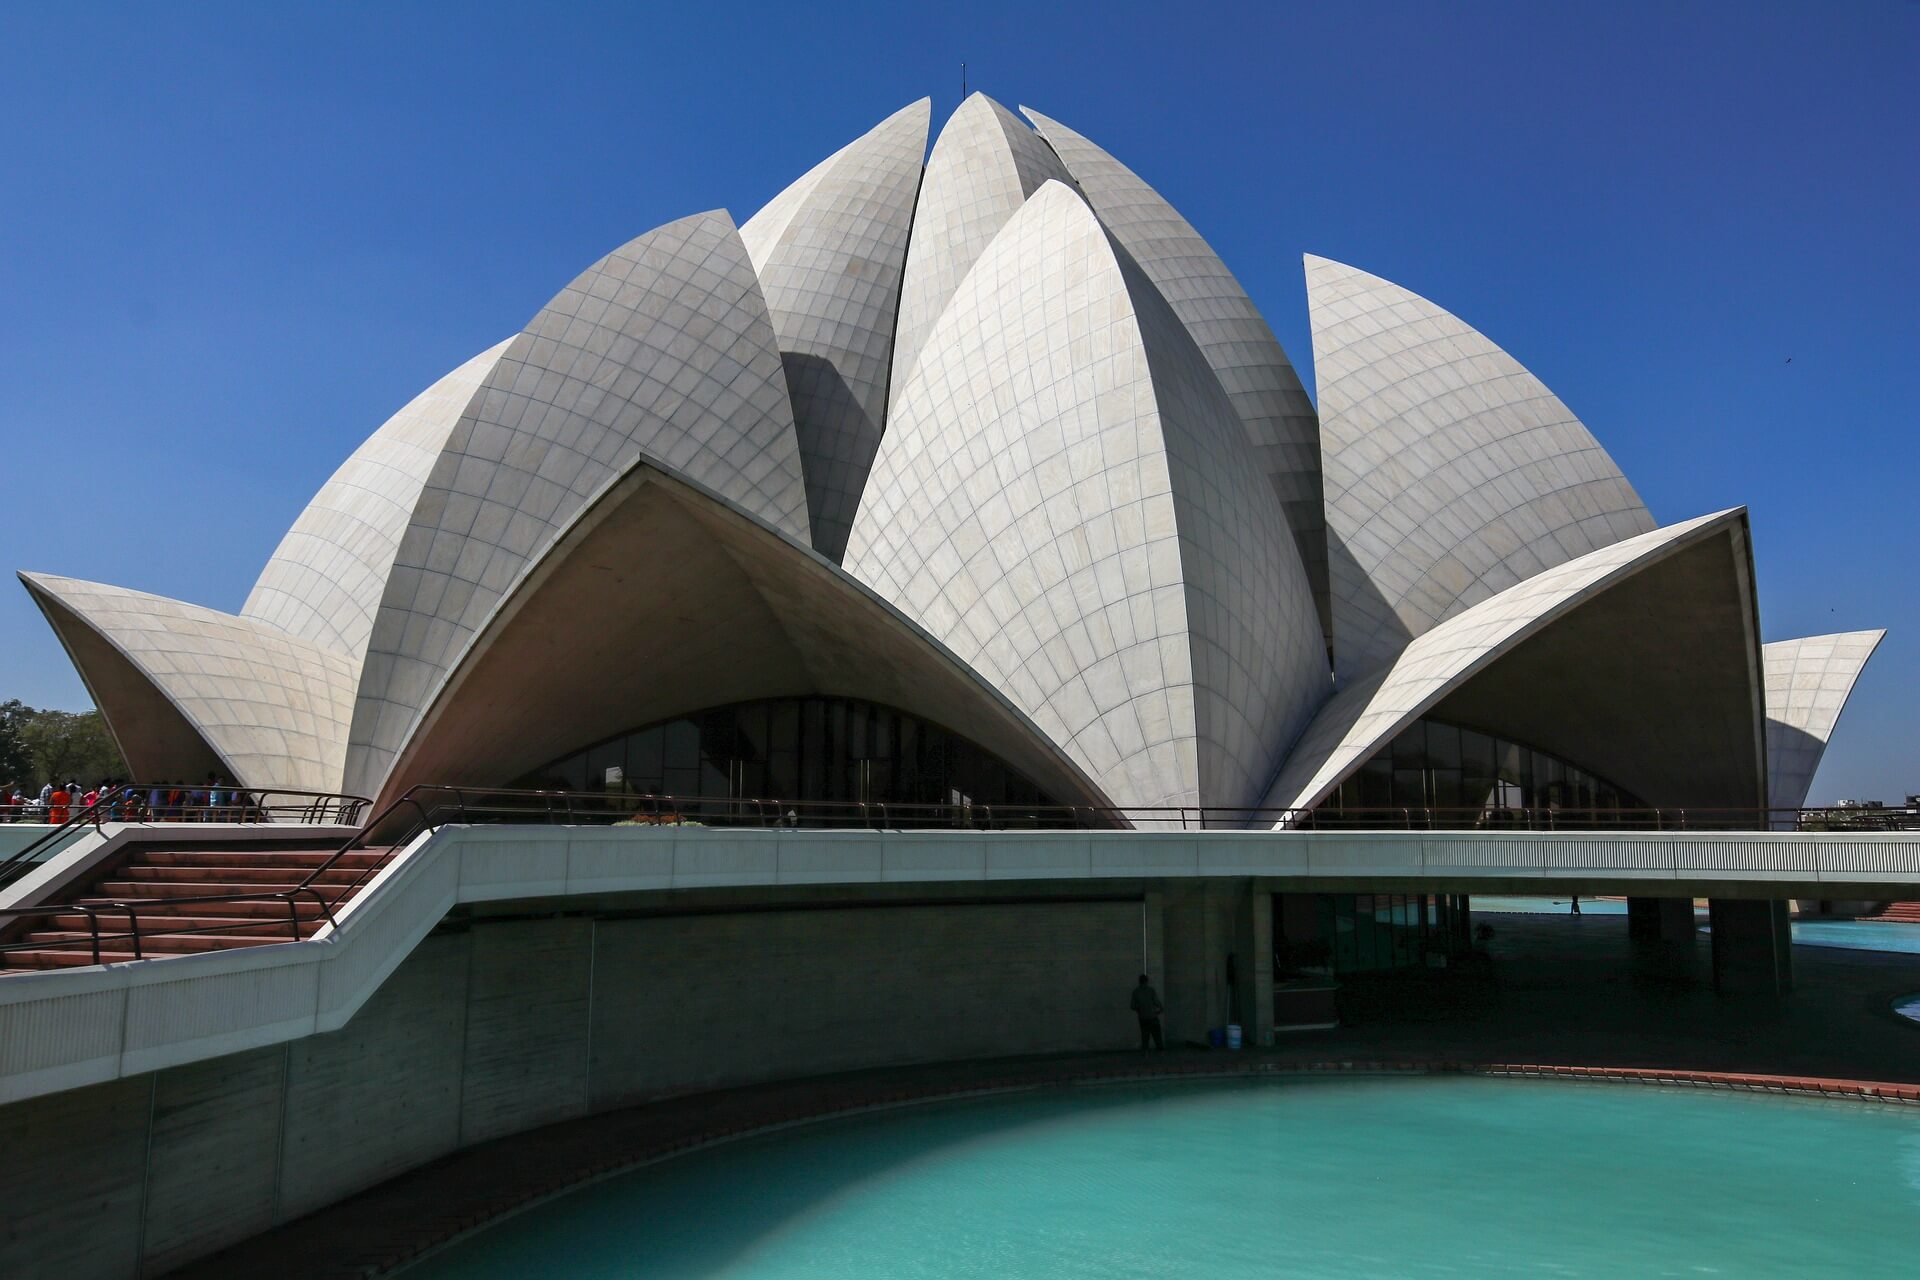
(1425, 1177)
(1856, 935)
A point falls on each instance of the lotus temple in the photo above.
(941, 571)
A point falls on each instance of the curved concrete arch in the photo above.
(830, 251)
(1808, 683)
(1064, 498)
(662, 599)
(664, 350)
(1639, 659)
(324, 581)
(185, 689)
(1451, 472)
(1235, 338)
(985, 164)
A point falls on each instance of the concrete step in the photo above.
(163, 943)
(305, 858)
(266, 908)
(251, 874)
(199, 888)
(116, 922)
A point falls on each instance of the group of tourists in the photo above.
(112, 800)
(56, 802)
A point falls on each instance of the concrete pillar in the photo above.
(1660, 919)
(1204, 926)
(1254, 957)
(1752, 945)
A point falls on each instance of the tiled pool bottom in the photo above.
(1855, 935)
(1410, 1177)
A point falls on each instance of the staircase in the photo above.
(1900, 912)
(159, 886)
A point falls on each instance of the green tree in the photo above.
(64, 745)
(16, 762)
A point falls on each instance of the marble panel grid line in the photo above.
(1367, 713)
(324, 581)
(273, 707)
(1451, 472)
(1235, 338)
(662, 350)
(1066, 501)
(830, 251)
(1808, 683)
(985, 164)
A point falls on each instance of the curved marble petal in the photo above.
(1065, 499)
(985, 164)
(662, 350)
(1368, 713)
(324, 581)
(1232, 334)
(1451, 472)
(830, 251)
(1808, 683)
(270, 710)
(580, 653)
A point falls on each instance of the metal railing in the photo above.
(146, 802)
(427, 806)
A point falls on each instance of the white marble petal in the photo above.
(1366, 714)
(1232, 334)
(273, 707)
(661, 350)
(1451, 472)
(1808, 683)
(324, 581)
(985, 164)
(1066, 500)
(830, 251)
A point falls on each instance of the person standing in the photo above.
(1147, 1007)
(58, 804)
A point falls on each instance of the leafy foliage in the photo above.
(42, 745)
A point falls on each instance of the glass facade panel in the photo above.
(809, 749)
(1460, 777)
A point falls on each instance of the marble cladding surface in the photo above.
(1451, 472)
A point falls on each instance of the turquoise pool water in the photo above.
(1320, 1178)
(1856, 935)
(1859, 935)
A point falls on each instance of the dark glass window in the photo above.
(1470, 778)
(796, 749)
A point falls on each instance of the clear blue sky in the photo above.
(234, 238)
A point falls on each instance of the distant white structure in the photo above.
(980, 466)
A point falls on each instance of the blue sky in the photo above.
(234, 238)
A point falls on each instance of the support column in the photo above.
(1255, 952)
(1752, 945)
(1207, 926)
(1660, 919)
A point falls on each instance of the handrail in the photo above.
(431, 805)
(128, 802)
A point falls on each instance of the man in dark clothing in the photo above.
(1147, 1007)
